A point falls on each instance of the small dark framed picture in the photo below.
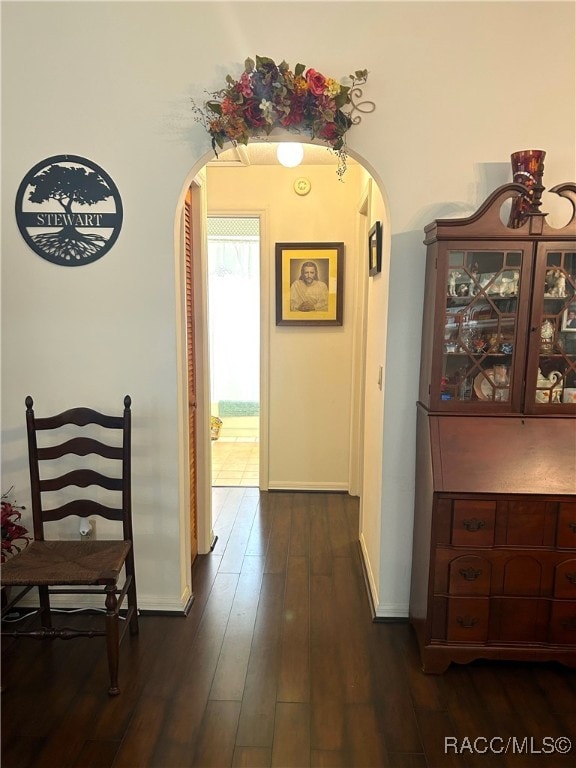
(375, 249)
(569, 318)
(309, 283)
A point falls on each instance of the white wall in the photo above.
(454, 94)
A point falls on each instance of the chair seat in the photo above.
(53, 563)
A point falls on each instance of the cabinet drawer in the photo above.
(467, 619)
(565, 579)
(563, 622)
(523, 575)
(519, 620)
(526, 523)
(473, 523)
(462, 574)
(503, 573)
(566, 531)
(469, 575)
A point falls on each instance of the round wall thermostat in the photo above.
(302, 186)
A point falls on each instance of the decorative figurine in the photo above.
(549, 281)
(555, 284)
(500, 378)
(509, 285)
(475, 276)
(452, 282)
(561, 286)
(494, 342)
(547, 336)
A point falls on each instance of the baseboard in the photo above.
(146, 604)
(294, 485)
(369, 580)
(391, 612)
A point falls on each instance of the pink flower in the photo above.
(245, 85)
(316, 82)
(329, 131)
(12, 531)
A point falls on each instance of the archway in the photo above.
(366, 315)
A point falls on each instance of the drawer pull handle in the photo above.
(471, 574)
(571, 577)
(572, 527)
(473, 524)
(467, 621)
(569, 623)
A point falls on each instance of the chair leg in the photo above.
(132, 598)
(112, 638)
(45, 614)
(133, 603)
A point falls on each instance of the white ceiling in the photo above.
(264, 153)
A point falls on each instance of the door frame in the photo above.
(357, 415)
(262, 215)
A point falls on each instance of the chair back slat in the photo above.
(82, 508)
(54, 468)
(80, 446)
(81, 417)
(81, 478)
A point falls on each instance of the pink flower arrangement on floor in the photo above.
(269, 95)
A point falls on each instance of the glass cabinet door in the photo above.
(480, 352)
(552, 367)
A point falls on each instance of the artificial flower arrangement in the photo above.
(12, 531)
(269, 95)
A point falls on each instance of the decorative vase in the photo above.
(527, 169)
(546, 336)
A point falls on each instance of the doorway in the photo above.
(244, 192)
(233, 259)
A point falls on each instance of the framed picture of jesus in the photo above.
(309, 283)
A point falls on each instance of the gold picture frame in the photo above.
(309, 283)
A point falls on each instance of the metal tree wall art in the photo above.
(69, 210)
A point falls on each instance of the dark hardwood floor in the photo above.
(278, 664)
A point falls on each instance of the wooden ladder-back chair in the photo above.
(90, 566)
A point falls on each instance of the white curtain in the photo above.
(234, 317)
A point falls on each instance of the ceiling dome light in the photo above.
(290, 154)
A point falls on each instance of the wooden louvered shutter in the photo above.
(191, 363)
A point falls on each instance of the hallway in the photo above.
(278, 664)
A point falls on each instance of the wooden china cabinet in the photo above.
(494, 557)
